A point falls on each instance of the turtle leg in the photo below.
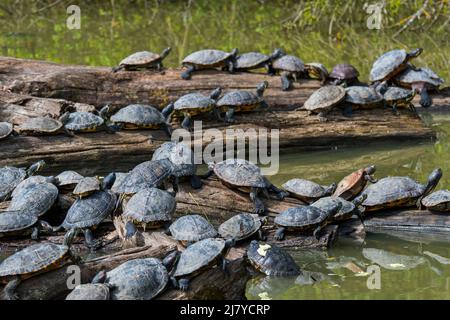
(270, 69)
(322, 118)
(174, 283)
(217, 115)
(394, 109)
(223, 264)
(195, 181)
(183, 284)
(117, 69)
(186, 124)
(260, 209)
(263, 105)
(159, 66)
(167, 129)
(68, 132)
(175, 184)
(89, 239)
(130, 230)
(35, 233)
(186, 75)
(229, 115)
(279, 194)
(413, 109)
(369, 178)
(347, 111)
(316, 232)
(261, 235)
(230, 65)
(10, 289)
(279, 234)
(286, 83)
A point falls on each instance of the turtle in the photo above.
(394, 192)
(245, 176)
(208, 59)
(10, 177)
(306, 190)
(35, 200)
(256, 60)
(45, 126)
(399, 97)
(192, 104)
(183, 160)
(191, 228)
(290, 68)
(30, 182)
(143, 60)
(87, 186)
(149, 208)
(33, 260)
(348, 208)
(6, 129)
(305, 218)
(242, 226)
(83, 121)
(344, 74)
(316, 70)
(140, 116)
(242, 101)
(323, 100)
(438, 201)
(198, 257)
(362, 97)
(391, 63)
(271, 260)
(421, 80)
(352, 185)
(68, 180)
(120, 177)
(13, 223)
(90, 291)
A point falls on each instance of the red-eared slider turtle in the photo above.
(139, 116)
(6, 129)
(344, 74)
(420, 80)
(306, 190)
(182, 159)
(347, 210)
(82, 121)
(323, 100)
(271, 260)
(191, 228)
(208, 59)
(191, 105)
(394, 192)
(13, 223)
(245, 176)
(437, 201)
(198, 257)
(143, 60)
(35, 200)
(87, 186)
(34, 260)
(31, 181)
(242, 226)
(399, 97)
(44, 126)
(256, 60)
(352, 185)
(305, 218)
(67, 180)
(10, 177)
(242, 101)
(290, 68)
(391, 63)
(316, 70)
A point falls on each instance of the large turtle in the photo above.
(316, 70)
(394, 192)
(290, 68)
(34, 260)
(13, 223)
(44, 126)
(344, 74)
(305, 218)
(399, 97)
(256, 60)
(323, 100)
(352, 185)
(242, 226)
(208, 59)
(191, 228)
(83, 121)
(67, 180)
(35, 200)
(140, 116)
(306, 190)
(6, 129)
(242, 101)
(347, 210)
(30, 182)
(271, 260)
(87, 186)
(438, 201)
(10, 177)
(143, 60)
(245, 176)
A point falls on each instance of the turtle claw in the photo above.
(183, 284)
(279, 234)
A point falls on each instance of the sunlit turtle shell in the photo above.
(325, 98)
(363, 96)
(289, 63)
(40, 125)
(240, 226)
(438, 201)
(82, 121)
(192, 228)
(180, 155)
(139, 116)
(307, 190)
(207, 58)
(240, 172)
(35, 200)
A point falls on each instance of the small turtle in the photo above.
(255, 60)
(242, 226)
(352, 185)
(391, 63)
(305, 218)
(198, 257)
(35, 200)
(10, 177)
(13, 223)
(437, 201)
(344, 74)
(192, 104)
(44, 126)
(30, 182)
(68, 180)
(242, 101)
(306, 190)
(398, 97)
(182, 159)
(143, 60)
(290, 68)
(324, 99)
(34, 260)
(271, 260)
(82, 121)
(394, 192)
(360, 97)
(421, 80)
(6, 129)
(316, 70)
(87, 186)
(208, 59)
(140, 116)
(245, 176)
(191, 228)
(347, 210)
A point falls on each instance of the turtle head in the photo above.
(370, 169)
(165, 52)
(234, 53)
(51, 179)
(334, 209)
(277, 53)
(382, 87)
(108, 181)
(433, 180)
(35, 167)
(104, 111)
(215, 94)
(171, 260)
(415, 53)
(359, 199)
(330, 189)
(168, 110)
(261, 87)
(70, 236)
(229, 243)
(100, 277)
(65, 117)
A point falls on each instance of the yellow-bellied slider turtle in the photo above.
(323, 100)
(256, 60)
(316, 70)
(347, 210)
(306, 190)
(394, 192)
(305, 218)
(143, 60)
(242, 226)
(35, 200)
(139, 116)
(344, 74)
(67, 180)
(352, 185)
(290, 68)
(242, 101)
(399, 97)
(13, 223)
(6, 129)
(34, 260)
(191, 228)
(86, 186)
(83, 121)
(271, 260)
(437, 201)
(391, 63)
(208, 59)
(44, 126)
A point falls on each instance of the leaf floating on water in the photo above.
(262, 250)
(438, 258)
(264, 296)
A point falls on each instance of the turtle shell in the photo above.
(140, 58)
(137, 279)
(180, 155)
(208, 57)
(388, 65)
(68, 178)
(194, 101)
(272, 260)
(410, 76)
(150, 206)
(89, 291)
(6, 129)
(351, 185)
(363, 96)
(139, 115)
(325, 98)
(394, 94)
(83, 121)
(305, 190)
(90, 211)
(192, 228)
(16, 221)
(120, 177)
(328, 203)
(251, 60)
(344, 72)
(198, 256)
(10, 177)
(29, 182)
(239, 98)
(36, 200)
(240, 172)
(240, 226)
(40, 125)
(301, 217)
(316, 70)
(437, 201)
(86, 186)
(289, 63)
(33, 259)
